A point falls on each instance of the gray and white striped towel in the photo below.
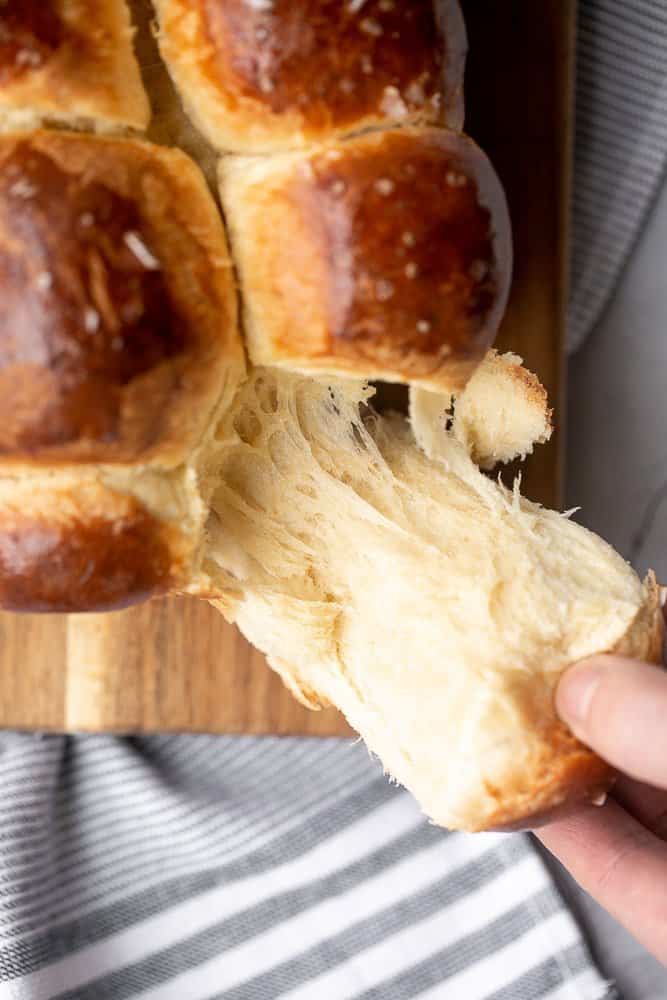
(620, 147)
(174, 868)
(193, 868)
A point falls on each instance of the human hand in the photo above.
(618, 852)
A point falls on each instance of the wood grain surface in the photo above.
(175, 664)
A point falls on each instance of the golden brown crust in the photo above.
(83, 547)
(70, 61)
(567, 773)
(577, 778)
(259, 77)
(117, 307)
(644, 639)
(31, 32)
(524, 402)
(386, 256)
(501, 414)
(528, 385)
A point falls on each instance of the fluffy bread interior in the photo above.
(435, 607)
(501, 414)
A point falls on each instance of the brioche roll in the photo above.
(119, 347)
(70, 62)
(387, 256)
(117, 307)
(264, 76)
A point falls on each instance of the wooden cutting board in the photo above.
(175, 664)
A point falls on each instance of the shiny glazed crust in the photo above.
(81, 546)
(119, 342)
(70, 61)
(386, 256)
(118, 312)
(260, 78)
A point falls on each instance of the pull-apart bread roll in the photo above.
(384, 256)
(69, 61)
(369, 557)
(274, 74)
(434, 606)
(118, 344)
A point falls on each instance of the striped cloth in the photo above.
(193, 868)
(621, 145)
(184, 868)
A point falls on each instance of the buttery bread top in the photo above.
(120, 338)
(69, 62)
(118, 309)
(258, 76)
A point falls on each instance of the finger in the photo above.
(645, 803)
(619, 707)
(620, 863)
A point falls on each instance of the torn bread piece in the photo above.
(502, 413)
(436, 608)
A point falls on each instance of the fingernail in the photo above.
(575, 693)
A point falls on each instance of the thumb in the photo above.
(619, 708)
